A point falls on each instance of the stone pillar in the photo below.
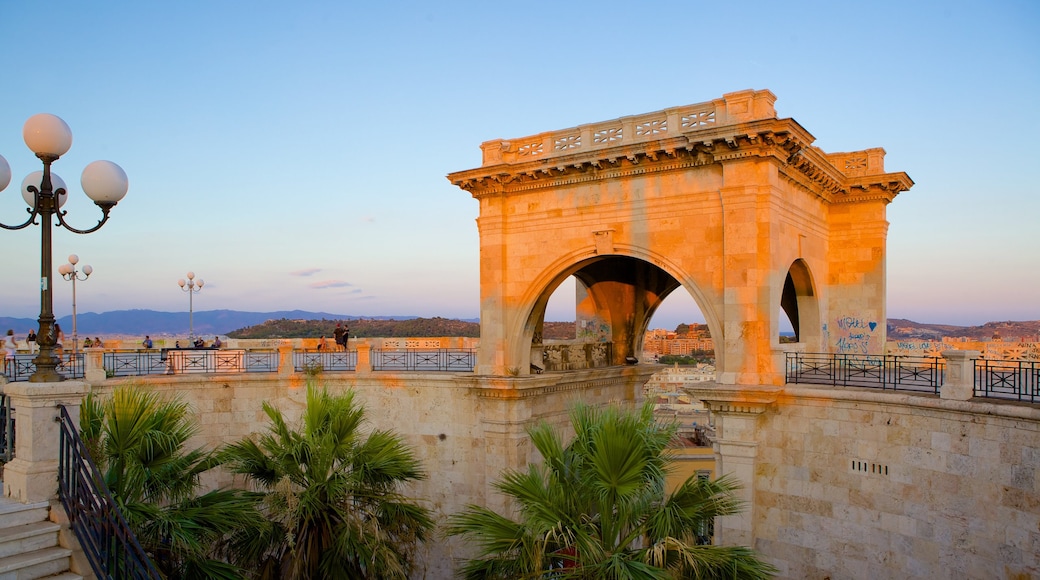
(364, 358)
(959, 384)
(33, 474)
(95, 366)
(285, 358)
(736, 411)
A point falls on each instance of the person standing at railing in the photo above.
(9, 347)
(59, 340)
(338, 335)
(30, 341)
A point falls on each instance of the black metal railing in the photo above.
(178, 361)
(108, 542)
(6, 429)
(905, 373)
(324, 360)
(440, 359)
(1008, 379)
(69, 365)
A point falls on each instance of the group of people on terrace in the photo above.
(341, 335)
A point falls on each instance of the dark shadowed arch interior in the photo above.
(615, 299)
(798, 299)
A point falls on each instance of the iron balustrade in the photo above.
(440, 359)
(1008, 379)
(108, 542)
(70, 366)
(178, 361)
(6, 429)
(324, 360)
(906, 373)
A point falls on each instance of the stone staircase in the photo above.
(29, 543)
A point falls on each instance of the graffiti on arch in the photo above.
(851, 334)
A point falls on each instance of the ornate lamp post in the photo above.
(192, 287)
(68, 271)
(104, 182)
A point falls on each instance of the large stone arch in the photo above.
(606, 281)
(730, 194)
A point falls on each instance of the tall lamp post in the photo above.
(104, 183)
(68, 271)
(192, 287)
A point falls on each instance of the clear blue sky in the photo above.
(293, 154)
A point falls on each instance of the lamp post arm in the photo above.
(33, 212)
(105, 208)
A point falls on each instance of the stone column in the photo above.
(285, 358)
(33, 474)
(364, 358)
(960, 375)
(736, 412)
(95, 366)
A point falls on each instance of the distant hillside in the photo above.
(154, 323)
(383, 328)
(1027, 330)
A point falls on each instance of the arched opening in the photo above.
(634, 310)
(799, 304)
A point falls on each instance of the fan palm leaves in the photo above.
(138, 440)
(332, 495)
(596, 508)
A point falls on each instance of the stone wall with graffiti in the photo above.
(853, 335)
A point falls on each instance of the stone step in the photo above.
(35, 564)
(14, 514)
(63, 576)
(28, 537)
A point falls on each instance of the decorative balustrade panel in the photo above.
(324, 360)
(172, 362)
(424, 360)
(70, 366)
(106, 539)
(1008, 379)
(906, 373)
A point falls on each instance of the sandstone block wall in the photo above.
(864, 484)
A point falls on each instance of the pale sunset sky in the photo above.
(293, 154)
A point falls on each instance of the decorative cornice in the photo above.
(735, 399)
(738, 126)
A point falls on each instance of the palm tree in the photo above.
(137, 439)
(596, 508)
(332, 495)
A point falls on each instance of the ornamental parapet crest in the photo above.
(738, 125)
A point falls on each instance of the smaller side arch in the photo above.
(800, 302)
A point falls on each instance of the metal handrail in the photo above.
(439, 359)
(107, 540)
(324, 360)
(1014, 380)
(71, 366)
(6, 429)
(906, 373)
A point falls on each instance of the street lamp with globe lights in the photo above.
(68, 271)
(104, 182)
(191, 286)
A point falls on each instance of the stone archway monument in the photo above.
(721, 199)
